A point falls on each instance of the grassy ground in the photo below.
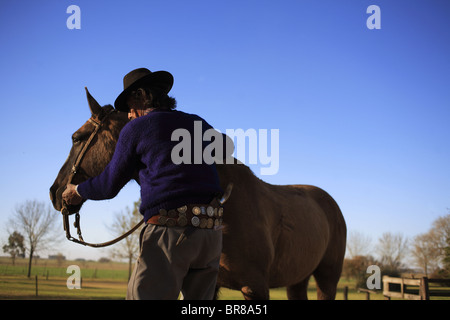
(21, 287)
(104, 281)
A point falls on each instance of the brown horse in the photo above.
(273, 236)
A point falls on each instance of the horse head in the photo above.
(96, 149)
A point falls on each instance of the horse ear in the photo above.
(93, 104)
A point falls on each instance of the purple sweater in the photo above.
(145, 146)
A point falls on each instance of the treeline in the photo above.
(395, 254)
(33, 227)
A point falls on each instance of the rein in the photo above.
(65, 211)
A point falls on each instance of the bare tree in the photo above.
(424, 252)
(37, 223)
(429, 249)
(129, 247)
(441, 234)
(358, 244)
(392, 249)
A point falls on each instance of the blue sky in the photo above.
(363, 114)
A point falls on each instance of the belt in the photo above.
(202, 216)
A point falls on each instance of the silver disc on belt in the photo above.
(172, 214)
(195, 221)
(162, 220)
(170, 222)
(203, 210)
(210, 211)
(203, 223)
(182, 209)
(210, 223)
(220, 211)
(196, 210)
(182, 221)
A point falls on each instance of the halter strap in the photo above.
(80, 156)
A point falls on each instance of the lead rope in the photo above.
(80, 239)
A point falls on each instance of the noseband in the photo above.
(65, 211)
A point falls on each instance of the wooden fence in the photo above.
(398, 288)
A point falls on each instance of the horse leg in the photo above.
(255, 292)
(216, 293)
(328, 272)
(327, 278)
(298, 291)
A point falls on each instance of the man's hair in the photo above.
(164, 102)
(155, 99)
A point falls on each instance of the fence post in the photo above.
(402, 288)
(423, 290)
(345, 293)
(36, 285)
(386, 288)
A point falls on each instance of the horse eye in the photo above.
(78, 137)
(75, 139)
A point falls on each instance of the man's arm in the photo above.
(116, 174)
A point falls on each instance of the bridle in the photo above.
(65, 211)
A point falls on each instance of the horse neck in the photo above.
(122, 120)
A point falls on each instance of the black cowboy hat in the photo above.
(160, 80)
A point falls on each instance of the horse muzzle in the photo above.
(56, 197)
(59, 204)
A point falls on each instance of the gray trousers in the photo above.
(163, 270)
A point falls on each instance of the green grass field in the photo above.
(104, 281)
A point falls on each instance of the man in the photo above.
(182, 241)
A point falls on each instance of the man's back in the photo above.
(165, 184)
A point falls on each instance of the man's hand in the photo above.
(71, 196)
